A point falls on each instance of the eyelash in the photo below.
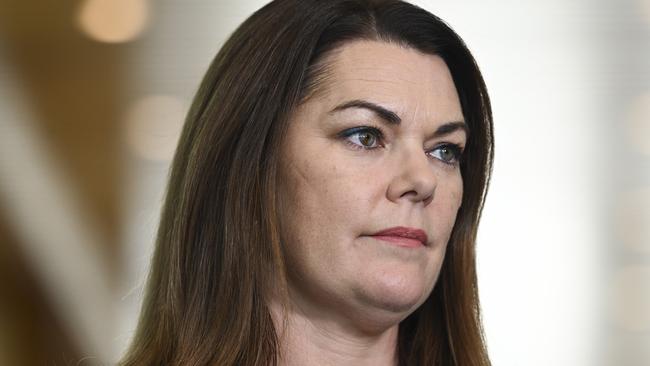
(379, 135)
(376, 132)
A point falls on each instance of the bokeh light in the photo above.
(638, 123)
(645, 10)
(153, 126)
(630, 298)
(113, 21)
(632, 220)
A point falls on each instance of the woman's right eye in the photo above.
(363, 137)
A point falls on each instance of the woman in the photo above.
(325, 195)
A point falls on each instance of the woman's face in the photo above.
(370, 185)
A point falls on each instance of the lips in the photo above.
(403, 236)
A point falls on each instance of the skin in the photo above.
(348, 291)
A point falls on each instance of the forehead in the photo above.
(411, 83)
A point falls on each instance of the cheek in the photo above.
(308, 191)
(327, 190)
(449, 197)
(310, 202)
(457, 193)
(453, 191)
(319, 213)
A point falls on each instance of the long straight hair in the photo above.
(218, 257)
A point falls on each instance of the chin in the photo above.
(375, 312)
(395, 298)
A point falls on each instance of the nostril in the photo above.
(419, 195)
(409, 193)
(428, 200)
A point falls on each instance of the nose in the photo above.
(414, 179)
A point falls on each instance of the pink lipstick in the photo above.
(403, 236)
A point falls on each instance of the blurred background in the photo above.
(93, 95)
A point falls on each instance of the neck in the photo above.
(307, 340)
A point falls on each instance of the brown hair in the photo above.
(218, 253)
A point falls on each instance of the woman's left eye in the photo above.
(447, 153)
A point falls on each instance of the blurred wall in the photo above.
(92, 98)
(61, 183)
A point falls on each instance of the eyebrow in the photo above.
(392, 118)
(385, 114)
